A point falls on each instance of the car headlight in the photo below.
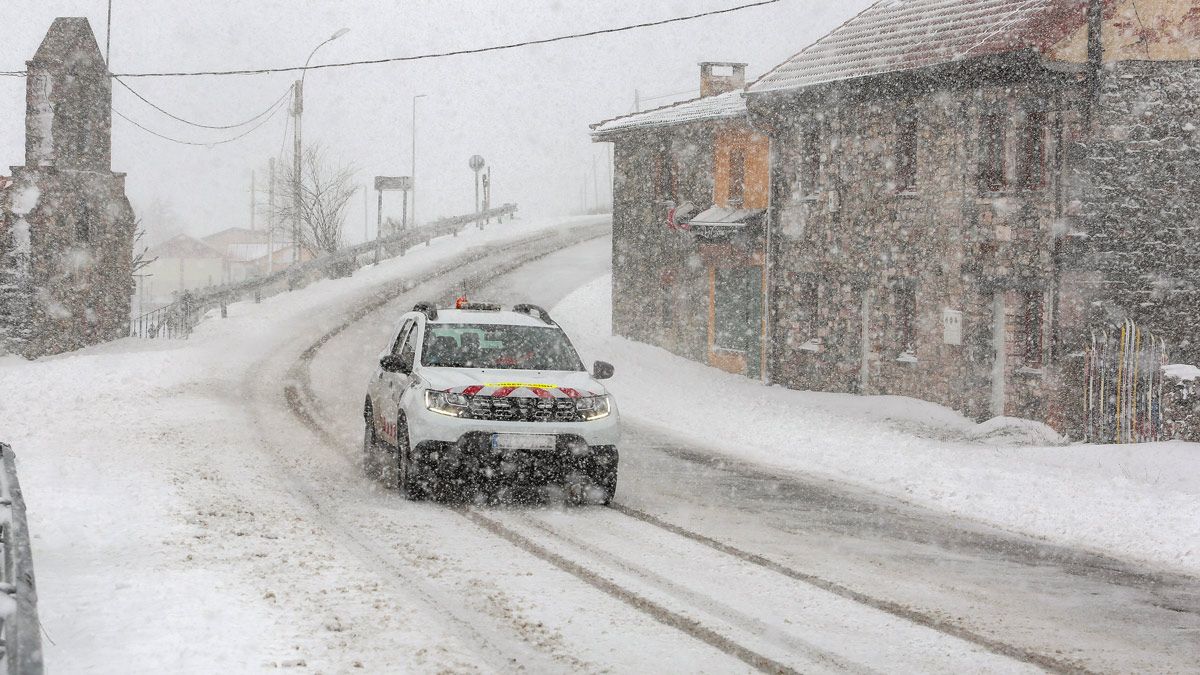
(592, 407)
(446, 403)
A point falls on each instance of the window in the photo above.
(809, 170)
(1031, 155)
(664, 175)
(808, 295)
(906, 152)
(992, 170)
(495, 346)
(906, 317)
(82, 225)
(1033, 306)
(737, 176)
(400, 337)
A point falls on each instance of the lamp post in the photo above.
(297, 111)
(413, 167)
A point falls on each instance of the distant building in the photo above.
(688, 224)
(179, 264)
(66, 227)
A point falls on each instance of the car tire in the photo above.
(604, 474)
(408, 479)
(371, 449)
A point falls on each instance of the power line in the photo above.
(459, 52)
(278, 106)
(198, 124)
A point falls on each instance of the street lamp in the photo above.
(297, 110)
(413, 167)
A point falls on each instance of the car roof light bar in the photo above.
(534, 309)
(428, 309)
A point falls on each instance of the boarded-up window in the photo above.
(1033, 311)
(906, 151)
(735, 295)
(1031, 155)
(992, 173)
(737, 176)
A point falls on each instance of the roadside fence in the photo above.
(176, 320)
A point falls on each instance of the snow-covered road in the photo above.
(226, 526)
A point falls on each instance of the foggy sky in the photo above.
(526, 111)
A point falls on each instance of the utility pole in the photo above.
(271, 217)
(413, 168)
(253, 206)
(108, 38)
(595, 184)
(297, 109)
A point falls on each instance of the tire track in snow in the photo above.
(898, 610)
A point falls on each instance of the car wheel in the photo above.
(370, 450)
(408, 478)
(604, 474)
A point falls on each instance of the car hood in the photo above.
(515, 383)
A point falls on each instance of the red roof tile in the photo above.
(899, 35)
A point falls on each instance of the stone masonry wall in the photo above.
(1140, 181)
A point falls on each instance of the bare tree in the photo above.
(326, 187)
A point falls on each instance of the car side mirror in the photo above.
(395, 364)
(602, 370)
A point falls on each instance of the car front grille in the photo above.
(522, 409)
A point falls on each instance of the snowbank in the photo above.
(1137, 501)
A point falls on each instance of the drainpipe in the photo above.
(767, 351)
(1095, 57)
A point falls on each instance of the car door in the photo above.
(393, 385)
(378, 387)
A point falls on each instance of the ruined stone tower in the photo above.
(66, 227)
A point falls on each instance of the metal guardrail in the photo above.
(177, 319)
(22, 641)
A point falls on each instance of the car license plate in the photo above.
(523, 441)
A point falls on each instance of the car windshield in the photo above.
(498, 347)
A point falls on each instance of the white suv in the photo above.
(477, 399)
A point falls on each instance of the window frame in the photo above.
(1032, 170)
(992, 174)
(1033, 328)
(735, 192)
(808, 165)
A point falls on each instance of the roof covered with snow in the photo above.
(183, 246)
(901, 35)
(721, 106)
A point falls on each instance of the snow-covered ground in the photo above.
(1139, 502)
(123, 452)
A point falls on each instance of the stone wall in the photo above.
(941, 244)
(1181, 406)
(660, 288)
(1140, 181)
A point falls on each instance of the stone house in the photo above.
(692, 183)
(959, 196)
(66, 226)
(943, 195)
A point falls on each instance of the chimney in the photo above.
(718, 77)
